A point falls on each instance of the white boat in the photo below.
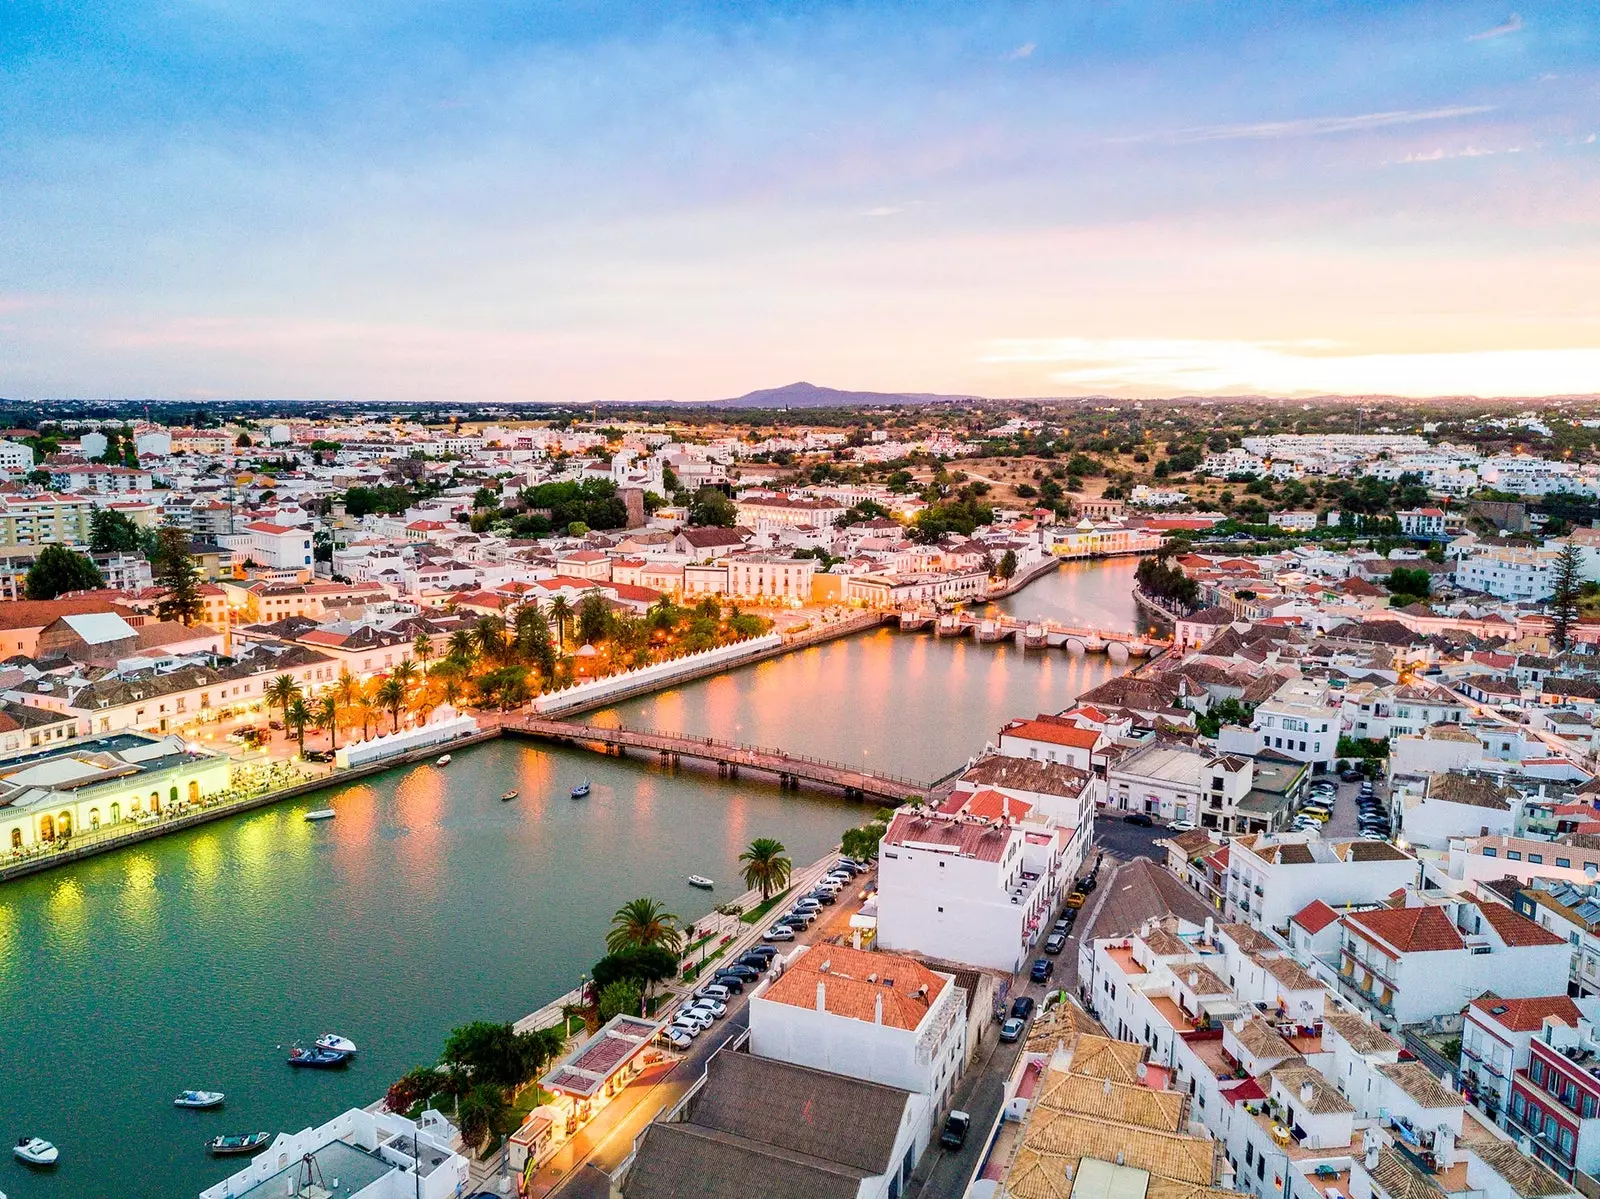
(701, 881)
(199, 1099)
(36, 1151)
(443, 761)
(333, 1041)
(321, 814)
(581, 790)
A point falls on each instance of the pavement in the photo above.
(582, 1168)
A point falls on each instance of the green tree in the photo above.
(111, 532)
(561, 612)
(644, 922)
(297, 716)
(861, 842)
(327, 719)
(1007, 566)
(1407, 585)
(767, 866)
(282, 692)
(422, 650)
(648, 965)
(58, 570)
(594, 618)
(481, 1114)
(623, 997)
(414, 1087)
(711, 507)
(177, 577)
(1568, 587)
(391, 697)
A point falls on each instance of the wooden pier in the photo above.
(730, 758)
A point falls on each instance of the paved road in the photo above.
(1124, 841)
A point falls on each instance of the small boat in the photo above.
(338, 1044)
(443, 761)
(581, 790)
(508, 797)
(235, 1143)
(318, 1059)
(36, 1151)
(701, 881)
(199, 1099)
(321, 814)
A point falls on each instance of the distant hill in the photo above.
(809, 395)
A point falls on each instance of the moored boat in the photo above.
(36, 1151)
(508, 797)
(581, 790)
(235, 1143)
(338, 1044)
(444, 760)
(318, 1059)
(701, 881)
(321, 814)
(199, 1099)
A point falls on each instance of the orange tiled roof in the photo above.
(1410, 930)
(1527, 1015)
(1056, 734)
(853, 981)
(1315, 916)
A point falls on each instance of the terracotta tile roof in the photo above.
(1527, 1015)
(1401, 1180)
(969, 839)
(1315, 916)
(1248, 938)
(995, 805)
(1514, 929)
(1064, 1091)
(853, 981)
(1417, 1081)
(1526, 1176)
(1409, 930)
(1361, 1035)
(1055, 734)
(1325, 1097)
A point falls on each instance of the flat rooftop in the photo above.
(354, 1169)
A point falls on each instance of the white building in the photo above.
(1508, 572)
(1300, 721)
(1273, 876)
(15, 457)
(1495, 1033)
(1180, 782)
(280, 547)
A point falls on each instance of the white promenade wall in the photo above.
(583, 695)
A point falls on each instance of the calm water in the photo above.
(195, 960)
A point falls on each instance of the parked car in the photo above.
(1182, 826)
(700, 1019)
(1076, 899)
(823, 896)
(1055, 943)
(765, 952)
(756, 961)
(318, 755)
(743, 972)
(714, 1008)
(1139, 818)
(807, 904)
(1350, 776)
(1087, 883)
(1012, 1029)
(689, 1028)
(778, 932)
(800, 920)
(714, 991)
(955, 1130)
(1043, 968)
(1022, 1007)
(678, 1038)
(729, 982)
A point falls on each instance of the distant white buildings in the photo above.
(1508, 572)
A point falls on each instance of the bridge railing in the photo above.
(599, 732)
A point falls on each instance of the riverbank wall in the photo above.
(1023, 577)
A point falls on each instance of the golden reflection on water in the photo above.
(66, 916)
(9, 952)
(419, 801)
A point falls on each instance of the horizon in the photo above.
(566, 204)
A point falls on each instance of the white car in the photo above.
(695, 1016)
(711, 1007)
(778, 932)
(1181, 826)
(678, 1038)
(687, 1025)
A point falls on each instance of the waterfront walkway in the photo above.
(730, 757)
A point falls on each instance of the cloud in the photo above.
(1443, 155)
(1023, 51)
(884, 210)
(1307, 126)
(1512, 24)
(1304, 367)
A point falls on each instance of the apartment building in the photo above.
(1053, 739)
(1555, 1098)
(1410, 964)
(1301, 721)
(1181, 783)
(1508, 572)
(275, 546)
(1572, 912)
(976, 885)
(44, 518)
(1495, 1036)
(1273, 876)
(1381, 711)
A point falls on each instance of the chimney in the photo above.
(1369, 1149)
(1307, 1090)
(877, 1007)
(1211, 928)
(822, 996)
(1444, 1146)
(1194, 979)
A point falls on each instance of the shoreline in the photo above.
(92, 844)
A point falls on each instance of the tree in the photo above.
(561, 612)
(463, 648)
(282, 692)
(327, 719)
(422, 650)
(346, 691)
(391, 697)
(111, 532)
(766, 866)
(1008, 565)
(644, 922)
(623, 997)
(178, 578)
(650, 965)
(1567, 589)
(58, 570)
(296, 717)
(1407, 586)
(861, 842)
(414, 1087)
(711, 507)
(490, 634)
(594, 617)
(481, 1113)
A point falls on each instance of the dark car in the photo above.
(1064, 925)
(762, 951)
(1140, 819)
(731, 981)
(1055, 943)
(1087, 883)
(1022, 1007)
(748, 973)
(318, 755)
(955, 1130)
(1042, 970)
(755, 961)
(823, 896)
(1350, 776)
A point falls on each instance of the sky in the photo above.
(414, 200)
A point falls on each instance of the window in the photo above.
(1536, 1071)
(1517, 1105)
(1564, 863)
(1566, 1141)
(1536, 857)
(1514, 854)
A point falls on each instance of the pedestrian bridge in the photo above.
(729, 756)
(1033, 634)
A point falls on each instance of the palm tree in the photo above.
(346, 692)
(490, 634)
(282, 692)
(422, 650)
(447, 676)
(327, 718)
(405, 674)
(463, 647)
(390, 697)
(297, 716)
(561, 612)
(642, 922)
(767, 866)
(367, 704)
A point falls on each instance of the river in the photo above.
(196, 959)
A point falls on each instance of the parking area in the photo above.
(1343, 822)
(1124, 841)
